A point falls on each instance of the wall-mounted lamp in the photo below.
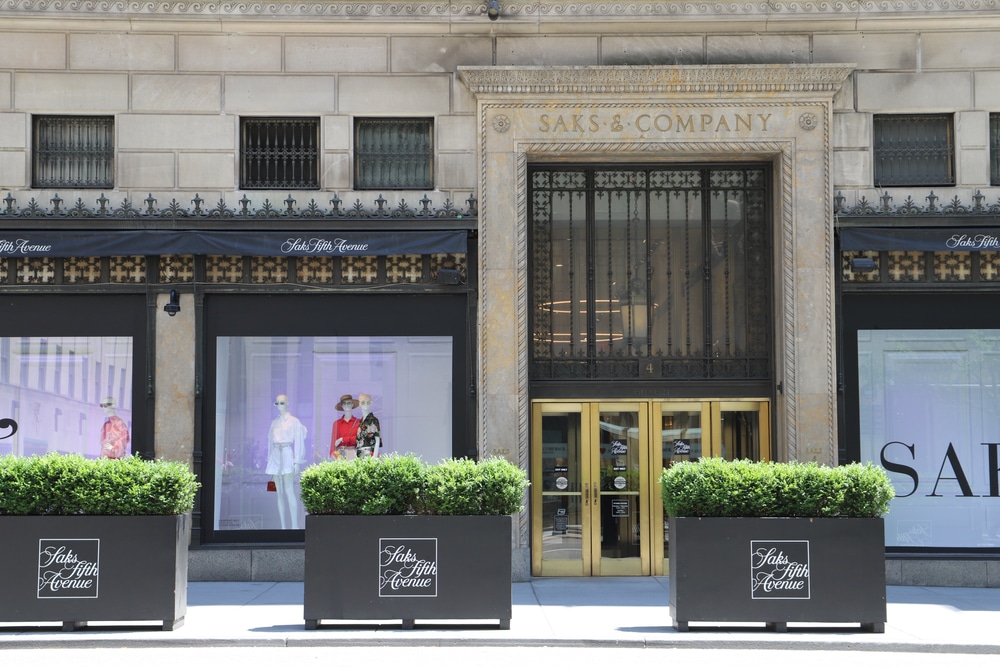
(493, 9)
(173, 306)
(863, 264)
(449, 277)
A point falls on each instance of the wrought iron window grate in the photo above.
(995, 149)
(914, 149)
(643, 273)
(279, 153)
(394, 153)
(73, 152)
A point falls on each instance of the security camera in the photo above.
(493, 9)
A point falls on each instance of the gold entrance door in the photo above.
(690, 430)
(590, 489)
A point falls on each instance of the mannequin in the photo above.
(285, 454)
(369, 430)
(343, 440)
(114, 432)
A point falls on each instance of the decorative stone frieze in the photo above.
(515, 11)
(652, 80)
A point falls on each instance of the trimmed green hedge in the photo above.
(405, 485)
(719, 488)
(64, 484)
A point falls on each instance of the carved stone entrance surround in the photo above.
(776, 113)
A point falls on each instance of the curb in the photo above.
(806, 644)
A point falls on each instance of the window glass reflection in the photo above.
(66, 394)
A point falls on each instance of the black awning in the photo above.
(920, 238)
(76, 243)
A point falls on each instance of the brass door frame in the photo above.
(587, 490)
(588, 494)
(711, 411)
(559, 568)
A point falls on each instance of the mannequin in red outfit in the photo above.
(114, 433)
(343, 440)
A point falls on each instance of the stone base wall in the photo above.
(288, 564)
(964, 573)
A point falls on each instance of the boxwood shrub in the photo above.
(65, 484)
(367, 485)
(718, 488)
(405, 485)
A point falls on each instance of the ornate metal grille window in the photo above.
(994, 149)
(279, 153)
(650, 273)
(73, 152)
(393, 153)
(914, 150)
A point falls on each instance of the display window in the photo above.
(68, 376)
(284, 403)
(70, 395)
(304, 383)
(926, 402)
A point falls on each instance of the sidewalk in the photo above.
(632, 612)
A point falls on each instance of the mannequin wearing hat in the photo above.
(114, 432)
(285, 455)
(344, 439)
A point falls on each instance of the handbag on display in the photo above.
(271, 486)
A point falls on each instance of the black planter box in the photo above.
(777, 570)
(408, 568)
(77, 569)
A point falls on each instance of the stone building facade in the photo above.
(792, 92)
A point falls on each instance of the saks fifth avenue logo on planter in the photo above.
(407, 567)
(779, 569)
(68, 568)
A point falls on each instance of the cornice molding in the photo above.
(511, 11)
(699, 79)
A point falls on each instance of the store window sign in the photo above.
(66, 394)
(659, 121)
(930, 416)
(286, 402)
(70, 243)
(560, 523)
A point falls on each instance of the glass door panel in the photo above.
(680, 429)
(620, 499)
(561, 525)
(742, 430)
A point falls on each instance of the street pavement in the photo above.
(622, 612)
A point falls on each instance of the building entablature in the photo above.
(526, 17)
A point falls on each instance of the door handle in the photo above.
(586, 494)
